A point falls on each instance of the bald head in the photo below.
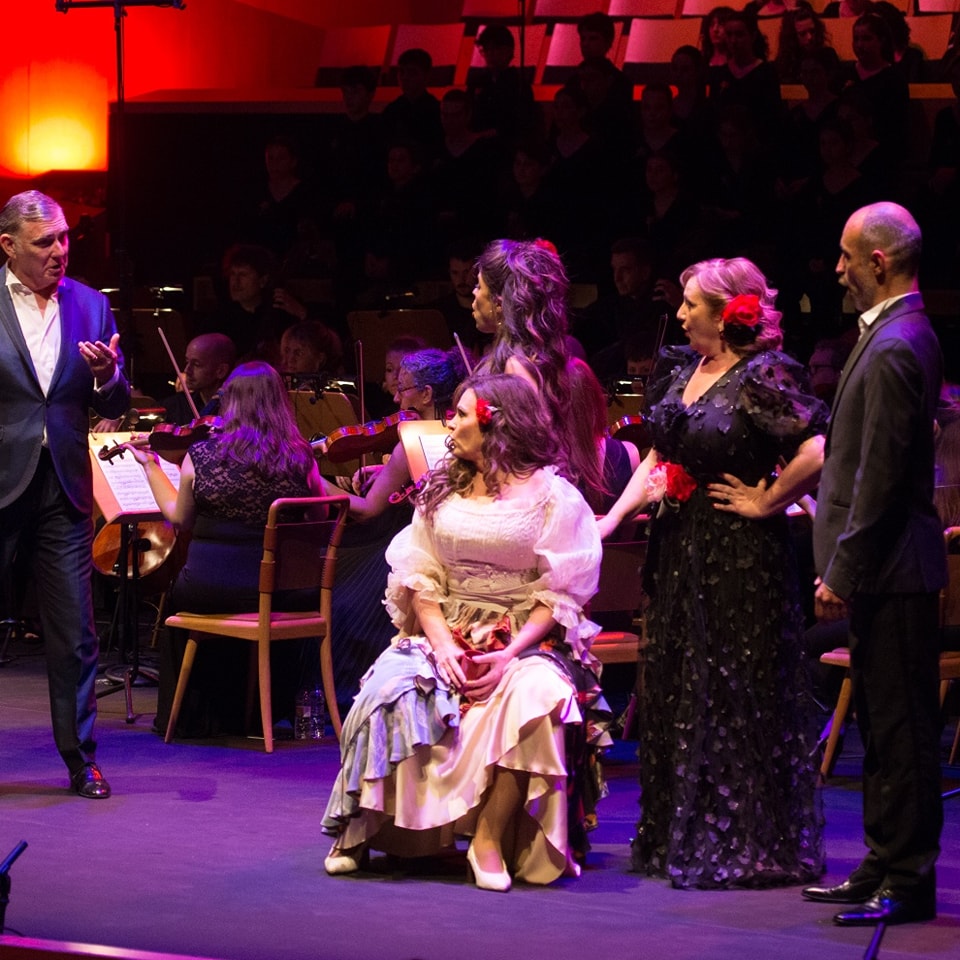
(879, 254)
(209, 358)
(892, 229)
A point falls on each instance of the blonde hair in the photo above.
(721, 280)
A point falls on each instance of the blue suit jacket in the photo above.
(65, 410)
(876, 529)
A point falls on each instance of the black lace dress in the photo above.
(221, 575)
(728, 779)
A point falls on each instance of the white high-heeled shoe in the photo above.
(340, 861)
(487, 880)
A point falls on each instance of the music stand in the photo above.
(127, 616)
(123, 495)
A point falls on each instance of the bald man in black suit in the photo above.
(878, 547)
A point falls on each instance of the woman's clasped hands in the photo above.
(471, 673)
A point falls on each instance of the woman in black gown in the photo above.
(727, 767)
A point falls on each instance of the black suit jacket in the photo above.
(876, 530)
(65, 410)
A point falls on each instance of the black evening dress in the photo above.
(727, 750)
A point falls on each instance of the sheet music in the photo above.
(434, 447)
(125, 478)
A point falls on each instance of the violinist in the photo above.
(59, 355)
(227, 483)
(426, 381)
(425, 384)
(209, 358)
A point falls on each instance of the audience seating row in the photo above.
(554, 11)
(549, 50)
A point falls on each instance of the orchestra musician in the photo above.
(227, 483)
(59, 356)
(209, 357)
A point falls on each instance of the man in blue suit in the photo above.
(878, 547)
(59, 356)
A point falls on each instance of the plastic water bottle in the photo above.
(309, 714)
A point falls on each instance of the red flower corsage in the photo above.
(669, 483)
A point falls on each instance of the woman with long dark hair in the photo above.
(521, 298)
(459, 728)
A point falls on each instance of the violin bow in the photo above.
(463, 353)
(358, 357)
(180, 378)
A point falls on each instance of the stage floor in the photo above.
(213, 848)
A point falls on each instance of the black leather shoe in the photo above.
(887, 907)
(850, 891)
(89, 782)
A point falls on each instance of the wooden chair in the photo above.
(949, 660)
(620, 591)
(297, 555)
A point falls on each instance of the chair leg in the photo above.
(329, 689)
(836, 725)
(182, 680)
(266, 706)
(253, 675)
(158, 621)
(956, 744)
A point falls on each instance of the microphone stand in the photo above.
(117, 163)
(5, 881)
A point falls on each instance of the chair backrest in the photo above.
(377, 329)
(620, 589)
(348, 45)
(300, 553)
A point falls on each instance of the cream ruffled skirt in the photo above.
(414, 772)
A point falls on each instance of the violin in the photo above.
(634, 429)
(168, 439)
(353, 442)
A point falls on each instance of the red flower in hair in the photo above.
(485, 411)
(743, 310)
(546, 245)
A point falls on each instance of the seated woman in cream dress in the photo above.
(459, 727)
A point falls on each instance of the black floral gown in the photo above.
(728, 779)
